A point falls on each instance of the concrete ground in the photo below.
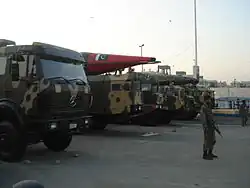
(134, 157)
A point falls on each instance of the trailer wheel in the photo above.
(57, 141)
(12, 142)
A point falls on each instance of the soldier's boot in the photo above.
(206, 156)
(210, 153)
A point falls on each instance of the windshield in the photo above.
(68, 71)
(146, 87)
(163, 89)
(154, 88)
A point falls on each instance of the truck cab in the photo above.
(116, 99)
(44, 96)
(152, 97)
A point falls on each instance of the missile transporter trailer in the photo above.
(44, 95)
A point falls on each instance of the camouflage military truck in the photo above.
(44, 95)
(178, 98)
(191, 107)
(159, 93)
(174, 101)
(187, 86)
(192, 101)
(116, 99)
(153, 99)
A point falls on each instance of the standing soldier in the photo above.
(243, 112)
(208, 127)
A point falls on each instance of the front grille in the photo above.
(61, 102)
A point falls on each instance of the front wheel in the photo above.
(12, 142)
(57, 141)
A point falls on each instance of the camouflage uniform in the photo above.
(243, 111)
(208, 128)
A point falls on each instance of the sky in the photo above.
(120, 26)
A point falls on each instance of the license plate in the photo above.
(72, 125)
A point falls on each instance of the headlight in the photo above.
(139, 108)
(53, 126)
(86, 121)
(158, 106)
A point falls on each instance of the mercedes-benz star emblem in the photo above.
(72, 101)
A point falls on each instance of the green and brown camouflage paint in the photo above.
(115, 94)
(37, 97)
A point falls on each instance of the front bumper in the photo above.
(71, 124)
(136, 109)
(68, 123)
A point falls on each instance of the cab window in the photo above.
(154, 88)
(146, 87)
(163, 89)
(116, 87)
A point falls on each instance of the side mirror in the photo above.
(15, 72)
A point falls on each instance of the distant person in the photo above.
(208, 127)
(243, 112)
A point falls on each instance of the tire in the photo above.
(57, 141)
(13, 143)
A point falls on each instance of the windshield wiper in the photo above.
(78, 81)
(59, 77)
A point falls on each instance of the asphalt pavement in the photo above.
(134, 157)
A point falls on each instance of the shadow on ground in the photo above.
(131, 131)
